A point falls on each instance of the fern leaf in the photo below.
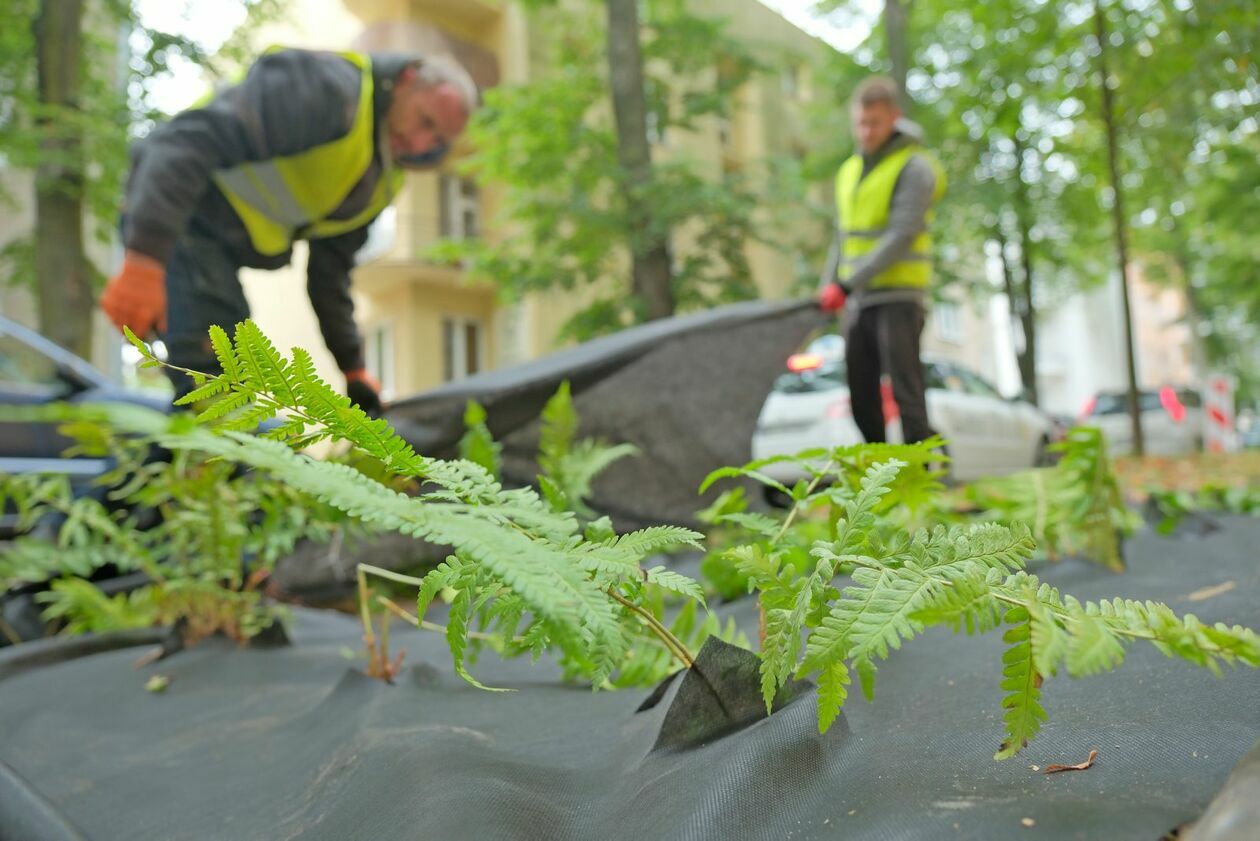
(213, 387)
(675, 583)
(1049, 641)
(654, 539)
(477, 444)
(435, 581)
(833, 688)
(760, 524)
(558, 426)
(1093, 647)
(865, 669)
(221, 408)
(1022, 683)
(830, 640)
(225, 353)
(457, 638)
(778, 654)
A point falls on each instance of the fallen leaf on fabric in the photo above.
(1052, 769)
(1209, 592)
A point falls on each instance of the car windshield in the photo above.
(830, 375)
(1118, 404)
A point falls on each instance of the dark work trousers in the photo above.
(202, 288)
(884, 339)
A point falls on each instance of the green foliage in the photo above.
(1074, 507)
(114, 102)
(205, 534)
(552, 144)
(969, 578)
(1009, 94)
(1172, 506)
(477, 444)
(568, 467)
(816, 506)
(964, 578)
(522, 573)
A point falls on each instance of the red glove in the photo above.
(363, 390)
(136, 296)
(831, 298)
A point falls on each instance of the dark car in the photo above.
(35, 371)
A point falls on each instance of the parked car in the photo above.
(35, 371)
(809, 406)
(1172, 420)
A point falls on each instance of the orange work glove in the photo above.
(363, 389)
(831, 298)
(136, 296)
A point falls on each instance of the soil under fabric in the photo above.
(295, 742)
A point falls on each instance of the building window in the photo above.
(378, 349)
(725, 131)
(461, 208)
(462, 347)
(947, 317)
(790, 81)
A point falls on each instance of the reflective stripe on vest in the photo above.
(864, 204)
(285, 197)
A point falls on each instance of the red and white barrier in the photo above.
(1219, 433)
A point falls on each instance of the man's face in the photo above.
(874, 124)
(423, 120)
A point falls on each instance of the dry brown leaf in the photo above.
(1208, 592)
(1052, 769)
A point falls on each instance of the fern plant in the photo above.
(1171, 506)
(969, 578)
(1074, 507)
(209, 521)
(815, 508)
(522, 572)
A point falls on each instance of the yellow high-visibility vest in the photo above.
(290, 197)
(863, 205)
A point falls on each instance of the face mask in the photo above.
(421, 160)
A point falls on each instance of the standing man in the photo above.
(881, 261)
(310, 145)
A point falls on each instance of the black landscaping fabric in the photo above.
(295, 742)
(685, 390)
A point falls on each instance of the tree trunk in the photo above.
(648, 245)
(1018, 306)
(897, 42)
(1117, 213)
(63, 276)
(1028, 312)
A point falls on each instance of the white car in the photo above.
(988, 434)
(1172, 420)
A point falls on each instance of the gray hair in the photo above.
(875, 90)
(444, 70)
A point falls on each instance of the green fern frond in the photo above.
(223, 407)
(656, 539)
(1093, 646)
(477, 444)
(558, 427)
(457, 638)
(968, 604)
(675, 582)
(1022, 683)
(225, 352)
(212, 387)
(86, 610)
(779, 650)
(833, 688)
(1048, 639)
